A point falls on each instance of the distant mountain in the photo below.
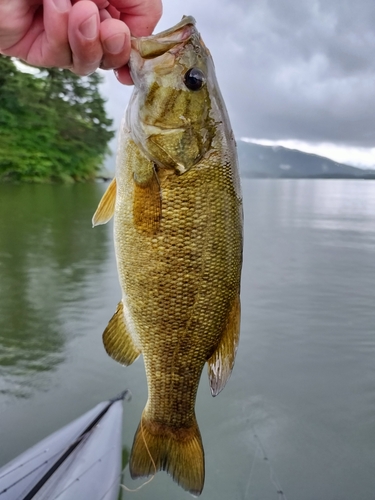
(278, 162)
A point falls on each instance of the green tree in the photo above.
(53, 125)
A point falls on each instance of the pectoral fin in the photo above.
(106, 207)
(117, 340)
(147, 204)
(220, 364)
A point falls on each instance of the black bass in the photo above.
(177, 210)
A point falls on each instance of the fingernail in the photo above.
(89, 28)
(62, 5)
(115, 43)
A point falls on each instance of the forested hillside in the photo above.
(53, 126)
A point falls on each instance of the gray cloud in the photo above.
(288, 69)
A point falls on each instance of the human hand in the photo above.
(80, 35)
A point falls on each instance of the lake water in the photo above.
(297, 418)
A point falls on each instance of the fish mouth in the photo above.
(149, 47)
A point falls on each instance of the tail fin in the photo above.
(177, 451)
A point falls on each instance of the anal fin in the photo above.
(220, 364)
(106, 207)
(117, 340)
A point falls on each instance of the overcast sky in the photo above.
(294, 72)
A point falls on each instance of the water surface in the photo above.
(298, 415)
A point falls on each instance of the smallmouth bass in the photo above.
(177, 209)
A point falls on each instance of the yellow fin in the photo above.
(147, 205)
(177, 451)
(220, 364)
(106, 207)
(117, 340)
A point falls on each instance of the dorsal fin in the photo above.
(106, 207)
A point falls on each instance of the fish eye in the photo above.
(194, 79)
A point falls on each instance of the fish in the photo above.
(177, 206)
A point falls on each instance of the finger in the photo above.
(83, 34)
(55, 48)
(141, 17)
(15, 20)
(113, 11)
(45, 43)
(101, 4)
(123, 75)
(115, 38)
(104, 14)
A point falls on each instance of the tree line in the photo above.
(53, 125)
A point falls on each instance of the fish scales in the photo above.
(182, 292)
(178, 242)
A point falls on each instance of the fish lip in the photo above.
(149, 47)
